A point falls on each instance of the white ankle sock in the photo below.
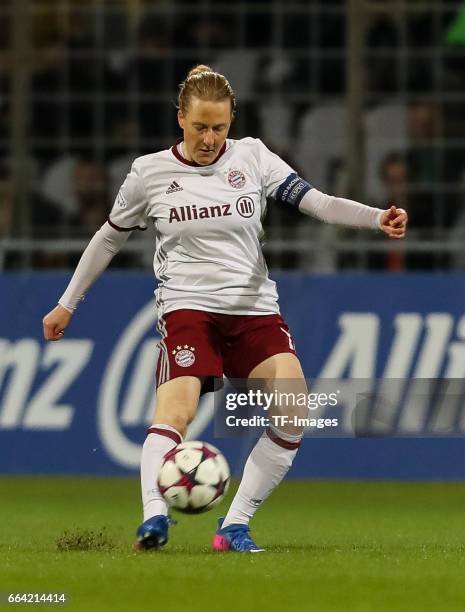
(266, 466)
(160, 439)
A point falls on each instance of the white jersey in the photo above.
(208, 223)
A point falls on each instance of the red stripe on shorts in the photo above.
(165, 432)
(280, 442)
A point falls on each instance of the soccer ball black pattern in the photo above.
(194, 477)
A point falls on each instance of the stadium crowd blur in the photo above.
(102, 91)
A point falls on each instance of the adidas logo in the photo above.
(174, 187)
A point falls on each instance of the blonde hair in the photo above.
(205, 84)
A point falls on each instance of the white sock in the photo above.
(266, 466)
(160, 439)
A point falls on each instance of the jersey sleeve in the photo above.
(273, 169)
(129, 210)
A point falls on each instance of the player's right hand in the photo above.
(55, 323)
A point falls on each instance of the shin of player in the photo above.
(160, 440)
(176, 406)
(273, 454)
(266, 466)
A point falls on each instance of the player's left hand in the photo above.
(394, 222)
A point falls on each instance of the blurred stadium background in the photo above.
(364, 98)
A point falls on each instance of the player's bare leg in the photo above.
(177, 402)
(270, 459)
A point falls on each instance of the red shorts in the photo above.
(208, 344)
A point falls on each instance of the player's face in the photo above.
(206, 125)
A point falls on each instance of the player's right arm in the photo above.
(55, 323)
(95, 259)
(127, 214)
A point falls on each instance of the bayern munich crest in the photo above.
(236, 178)
(184, 355)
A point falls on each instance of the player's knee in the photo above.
(177, 415)
(182, 420)
(179, 422)
(289, 418)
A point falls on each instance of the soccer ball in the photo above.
(194, 477)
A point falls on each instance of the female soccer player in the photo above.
(217, 308)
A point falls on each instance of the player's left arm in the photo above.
(393, 222)
(298, 193)
(332, 209)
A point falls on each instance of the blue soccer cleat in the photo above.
(234, 537)
(153, 533)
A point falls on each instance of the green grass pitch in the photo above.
(331, 546)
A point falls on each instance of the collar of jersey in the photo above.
(181, 158)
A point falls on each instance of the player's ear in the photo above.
(181, 120)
